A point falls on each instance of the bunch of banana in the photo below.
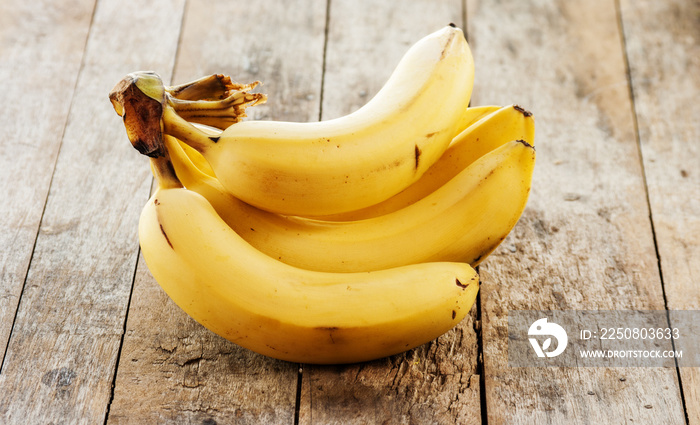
(332, 242)
(439, 218)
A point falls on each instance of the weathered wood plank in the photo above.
(41, 47)
(274, 42)
(585, 240)
(366, 40)
(63, 349)
(438, 382)
(172, 370)
(662, 40)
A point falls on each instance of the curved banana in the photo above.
(488, 131)
(469, 116)
(354, 161)
(464, 220)
(285, 312)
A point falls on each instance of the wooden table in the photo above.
(613, 221)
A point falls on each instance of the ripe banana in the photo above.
(351, 162)
(285, 312)
(491, 128)
(464, 220)
(468, 117)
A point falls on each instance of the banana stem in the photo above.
(212, 87)
(217, 113)
(187, 172)
(149, 109)
(176, 126)
(165, 172)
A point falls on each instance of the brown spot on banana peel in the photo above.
(330, 330)
(448, 43)
(417, 153)
(165, 235)
(466, 285)
(454, 314)
(525, 143)
(156, 202)
(327, 328)
(522, 110)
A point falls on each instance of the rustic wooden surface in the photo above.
(613, 222)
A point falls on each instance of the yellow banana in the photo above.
(285, 312)
(464, 220)
(198, 161)
(469, 117)
(350, 162)
(489, 130)
(472, 115)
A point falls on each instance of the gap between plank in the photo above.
(121, 339)
(323, 62)
(138, 253)
(126, 321)
(635, 121)
(297, 405)
(480, 369)
(479, 330)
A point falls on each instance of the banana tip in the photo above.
(522, 110)
(525, 143)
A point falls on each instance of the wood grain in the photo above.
(585, 240)
(172, 370)
(366, 40)
(63, 349)
(437, 383)
(278, 44)
(612, 222)
(41, 47)
(662, 40)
